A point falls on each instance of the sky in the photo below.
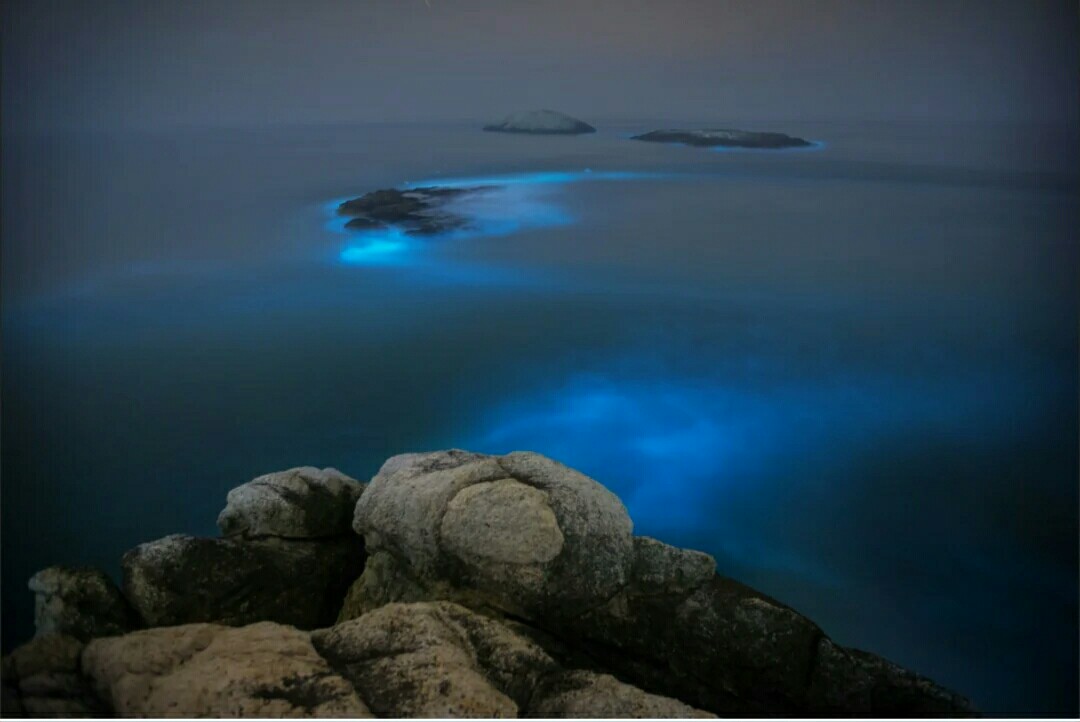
(155, 63)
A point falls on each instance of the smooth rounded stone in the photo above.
(598, 550)
(501, 522)
(304, 502)
(402, 508)
(541, 122)
(83, 603)
(589, 695)
(182, 579)
(725, 137)
(202, 670)
(660, 567)
(523, 532)
(426, 660)
(853, 683)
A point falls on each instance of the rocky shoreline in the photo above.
(452, 584)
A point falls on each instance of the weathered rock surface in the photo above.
(300, 503)
(526, 536)
(497, 586)
(541, 122)
(441, 660)
(183, 579)
(416, 211)
(522, 533)
(205, 670)
(41, 679)
(83, 603)
(724, 138)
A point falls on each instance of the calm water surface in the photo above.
(849, 373)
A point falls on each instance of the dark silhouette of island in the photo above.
(541, 122)
(726, 138)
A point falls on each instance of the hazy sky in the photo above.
(147, 62)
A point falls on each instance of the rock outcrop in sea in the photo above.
(725, 138)
(416, 211)
(541, 122)
(453, 584)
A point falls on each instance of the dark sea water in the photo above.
(849, 373)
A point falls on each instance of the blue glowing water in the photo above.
(506, 204)
(849, 374)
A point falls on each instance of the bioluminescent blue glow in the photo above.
(675, 448)
(505, 204)
(372, 250)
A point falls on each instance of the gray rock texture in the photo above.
(83, 603)
(42, 679)
(301, 503)
(439, 659)
(183, 579)
(525, 536)
(205, 670)
(496, 586)
(541, 122)
(522, 533)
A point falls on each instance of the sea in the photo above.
(848, 371)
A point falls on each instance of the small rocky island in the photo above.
(417, 211)
(541, 122)
(725, 138)
(453, 584)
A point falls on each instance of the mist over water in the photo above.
(848, 373)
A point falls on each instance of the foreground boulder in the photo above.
(441, 660)
(521, 534)
(497, 586)
(725, 138)
(206, 670)
(525, 536)
(301, 503)
(183, 579)
(83, 603)
(541, 122)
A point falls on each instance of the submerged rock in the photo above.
(541, 122)
(725, 138)
(299, 503)
(83, 603)
(206, 670)
(183, 579)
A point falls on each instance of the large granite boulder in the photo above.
(204, 670)
(525, 536)
(541, 122)
(725, 138)
(520, 533)
(300, 503)
(442, 660)
(83, 603)
(182, 579)
(41, 679)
